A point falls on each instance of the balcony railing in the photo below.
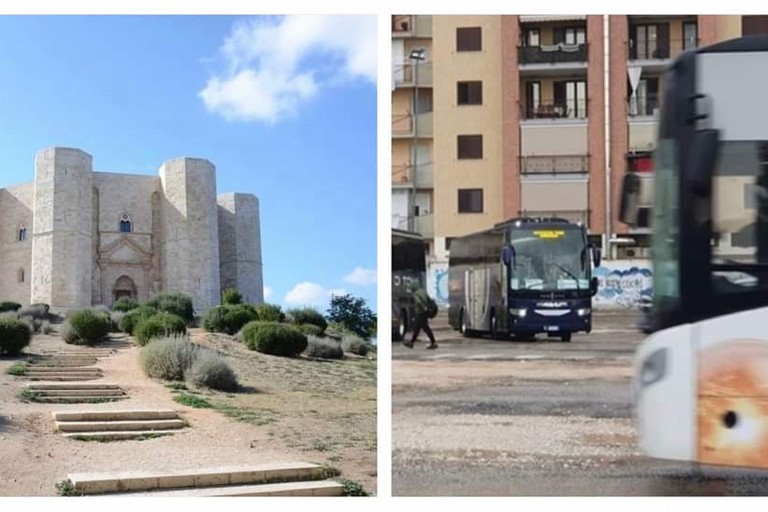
(643, 106)
(552, 54)
(402, 175)
(404, 74)
(425, 225)
(403, 125)
(554, 164)
(550, 109)
(660, 49)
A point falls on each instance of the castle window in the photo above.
(22, 234)
(21, 275)
(125, 224)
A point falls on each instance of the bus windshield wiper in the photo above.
(570, 274)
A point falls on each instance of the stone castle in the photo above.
(76, 238)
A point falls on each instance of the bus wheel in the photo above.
(463, 325)
(402, 325)
(566, 336)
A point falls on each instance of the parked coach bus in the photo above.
(408, 265)
(701, 378)
(522, 277)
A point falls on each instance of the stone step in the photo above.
(51, 363)
(70, 385)
(79, 399)
(56, 369)
(117, 435)
(79, 392)
(312, 488)
(111, 426)
(96, 483)
(62, 377)
(115, 415)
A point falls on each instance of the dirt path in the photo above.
(34, 457)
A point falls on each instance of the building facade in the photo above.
(74, 237)
(531, 115)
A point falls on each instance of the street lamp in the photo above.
(417, 55)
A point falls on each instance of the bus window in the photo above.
(666, 275)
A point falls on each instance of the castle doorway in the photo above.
(124, 287)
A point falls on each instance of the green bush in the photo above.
(274, 338)
(14, 336)
(124, 304)
(308, 316)
(231, 296)
(175, 303)
(35, 311)
(355, 345)
(210, 370)
(129, 321)
(168, 357)
(86, 327)
(159, 324)
(270, 313)
(9, 306)
(229, 319)
(311, 330)
(323, 348)
(32, 324)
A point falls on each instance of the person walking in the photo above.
(425, 308)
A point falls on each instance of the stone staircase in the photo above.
(117, 425)
(74, 393)
(276, 479)
(63, 373)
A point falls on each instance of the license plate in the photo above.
(551, 328)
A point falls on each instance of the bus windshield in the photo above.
(549, 259)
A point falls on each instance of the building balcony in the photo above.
(404, 75)
(407, 25)
(403, 126)
(552, 55)
(554, 164)
(656, 55)
(425, 225)
(402, 176)
(553, 110)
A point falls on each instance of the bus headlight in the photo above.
(519, 312)
(654, 368)
(583, 311)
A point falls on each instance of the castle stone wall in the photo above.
(240, 245)
(16, 205)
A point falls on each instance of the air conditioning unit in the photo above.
(633, 252)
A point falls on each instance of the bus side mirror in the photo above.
(593, 286)
(596, 256)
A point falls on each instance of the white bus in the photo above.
(701, 385)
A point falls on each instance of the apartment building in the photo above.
(501, 116)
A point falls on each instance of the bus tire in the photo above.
(494, 325)
(402, 325)
(463, 324)
(566, 336)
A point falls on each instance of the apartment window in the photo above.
(469, 93)
(471, 200)
(646, 99)
(531, 37)
(690, 35)
(22, 234)
(470, 147)
(650, 41)
(21, 275)
(469, 39)
(570, 35)
(532, 98)
(753, 25)
(571, 98)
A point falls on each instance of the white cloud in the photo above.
(361, 276)
(311, 294)
(269, 70)
(267, 292)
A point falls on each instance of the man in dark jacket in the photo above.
(421, 301)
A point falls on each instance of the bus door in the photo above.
(477, 296)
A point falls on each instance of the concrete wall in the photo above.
(16, 205)
(240, 246)
(189, 217)
(62, 241)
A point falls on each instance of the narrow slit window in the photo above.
(125, 224)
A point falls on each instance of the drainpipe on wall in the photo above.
(607, 98)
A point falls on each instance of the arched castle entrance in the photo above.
(124, 287)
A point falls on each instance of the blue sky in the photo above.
(284, 107)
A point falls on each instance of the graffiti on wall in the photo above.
(437, 283)
(622, 283)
